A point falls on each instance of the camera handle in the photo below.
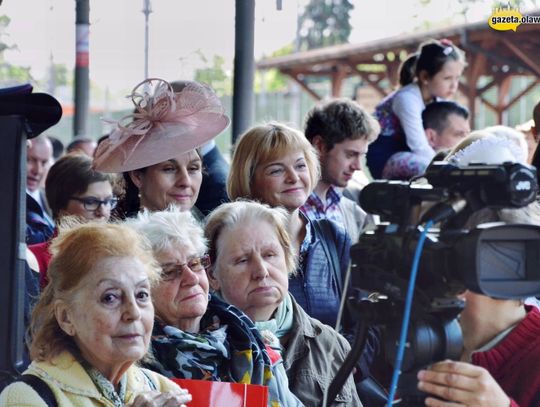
(367, 313)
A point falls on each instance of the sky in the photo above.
(182, 30)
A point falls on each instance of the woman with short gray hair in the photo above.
(197, 336)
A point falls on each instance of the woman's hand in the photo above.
(462, 384)
(173, 398)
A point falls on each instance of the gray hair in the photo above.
(169, 228)
(243, 212)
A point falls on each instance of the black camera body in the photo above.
(499, 260)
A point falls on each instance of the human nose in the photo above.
(183, 179)
(356, 164)
(189, 277)
(103, 209)
(292, 176)
(35, 167)
(260, 270)
(131, 310)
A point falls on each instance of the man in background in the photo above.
(446, 123)
(39, 225)
(340, 131)
(84, 145)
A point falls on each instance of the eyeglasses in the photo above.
(171, 272)
(92, 204)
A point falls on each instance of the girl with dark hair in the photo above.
(402, 151)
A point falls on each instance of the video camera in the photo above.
(498, 260)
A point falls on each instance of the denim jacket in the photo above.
(315, 287)
(316, 290)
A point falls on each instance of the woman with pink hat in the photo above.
(156, 150)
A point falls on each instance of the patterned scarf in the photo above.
(193, 356)
(106, 388)
(228, 348)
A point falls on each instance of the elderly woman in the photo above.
(73, 188)
(92, 324)
(501, 337)
(252, 258)
(156, 150)
(276, 165)
(197, 337)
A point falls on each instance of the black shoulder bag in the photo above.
(40, 387)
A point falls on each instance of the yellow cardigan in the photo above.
(72, 386)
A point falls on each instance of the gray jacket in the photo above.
(354, 218)
(312, 356)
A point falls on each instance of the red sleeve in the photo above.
(43, 257)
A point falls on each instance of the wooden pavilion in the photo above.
(493, 58)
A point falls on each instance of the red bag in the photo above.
(220, 394)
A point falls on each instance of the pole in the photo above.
(244, 67)
(82, 82)
(147, 9)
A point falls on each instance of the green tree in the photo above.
(274, 80)
(324, 23)
(9, 72)
(215, 75)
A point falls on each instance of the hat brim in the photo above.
(161, 144)
(40, 110)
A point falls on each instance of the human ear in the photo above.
(136, 177)
(64, 317)
(214, 283)
(423, 77)
(319, 144)
(430, 135)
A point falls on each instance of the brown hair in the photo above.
(76, 251)
(70, 175)
(338, 120)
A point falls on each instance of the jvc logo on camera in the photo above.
(523, 186)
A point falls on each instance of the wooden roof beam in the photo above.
(338, 75)
(304, 85)
(365, 77)
(521, 55)
(486, 87)
(494, 56)
(522, 93)
(488, 104)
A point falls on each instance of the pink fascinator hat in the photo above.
(164, 125)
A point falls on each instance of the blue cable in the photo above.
(407, 313)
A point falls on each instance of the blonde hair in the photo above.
(233, 214)
(262, 144)
(76, 251)
(169, 228)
